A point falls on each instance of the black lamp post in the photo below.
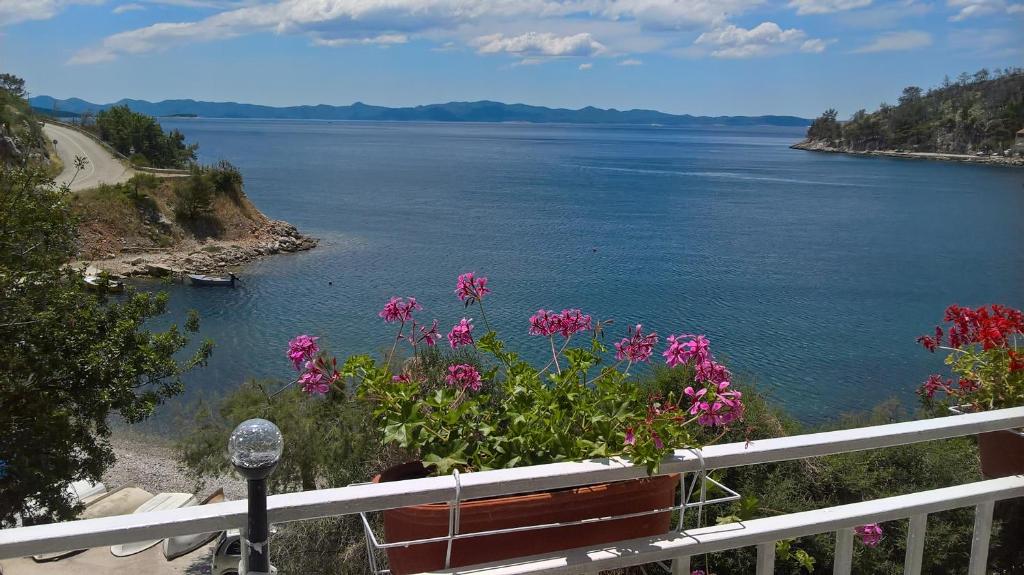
(255, 447)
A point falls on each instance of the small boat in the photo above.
(81, 491)
(120, 501)
(100, 282)
(161, 502)
(175, 547)
(203, 280)
(84, 489)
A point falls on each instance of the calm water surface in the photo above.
(812, 273)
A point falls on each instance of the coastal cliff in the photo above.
(200, 223)
(977, 118)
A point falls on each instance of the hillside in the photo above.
(21, 135)
(200, 223)
(482, 111)
(976, 114)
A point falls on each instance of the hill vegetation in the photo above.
(142, 139)
(482, 111)
(147, 212)
(21, 135)
(975, 113)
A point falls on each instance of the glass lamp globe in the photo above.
(255, 447)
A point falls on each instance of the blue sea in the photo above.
(811, 273)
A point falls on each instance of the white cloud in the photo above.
(816, 45)
(127, 8)
(529, 29)
(150, 38)
(764, 39)
(967, 9)
(826, 6)
(586, 66)
(896, 42)
(534, 44)
(674, 14)
(381, 40)
(887, 16)
(999, 43)
(631, 62)
(14, 11)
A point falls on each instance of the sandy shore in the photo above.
(149, 463)
(964, 158)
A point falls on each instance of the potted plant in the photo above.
(988, 367)
(490, 409)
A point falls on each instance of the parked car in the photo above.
(227, 553)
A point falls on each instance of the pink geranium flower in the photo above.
(461, 333)
(464, 376)
(572, 321)
(429, 335)
(870, 534)
(544, 322)
(470, 288)
(399, 310)
(569, 322)
(301, 349)
(315, 380)
(637, 347)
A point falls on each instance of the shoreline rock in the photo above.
(822, 146)
(203, 257)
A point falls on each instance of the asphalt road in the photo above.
(103, 167)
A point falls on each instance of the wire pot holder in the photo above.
(375, 544)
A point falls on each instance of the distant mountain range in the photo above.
(482, 111)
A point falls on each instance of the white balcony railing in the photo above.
(676, 547)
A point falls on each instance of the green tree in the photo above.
(70, 360)
(326, 441)
(141, 137)
(12, 85)
(826, 128)
(195, 199)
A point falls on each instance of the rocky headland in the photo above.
(994, 160)
(208, 257)
(151, 226)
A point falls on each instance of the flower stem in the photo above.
(276, 393)
(603, 372)
(554, 354)
(398, 336)
(483, 316)
(564, 345)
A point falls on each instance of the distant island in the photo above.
(482, 111)
(976, 118)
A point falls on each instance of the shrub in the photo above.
(195, 197)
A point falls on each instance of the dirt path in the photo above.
(103, 167)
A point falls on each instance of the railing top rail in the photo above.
(376, 497)
(747, 533)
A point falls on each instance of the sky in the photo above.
(702, 57)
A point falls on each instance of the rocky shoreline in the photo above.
(203, 257)
(821, 146)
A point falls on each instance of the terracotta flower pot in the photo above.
(1002, 454)
(602, 500)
